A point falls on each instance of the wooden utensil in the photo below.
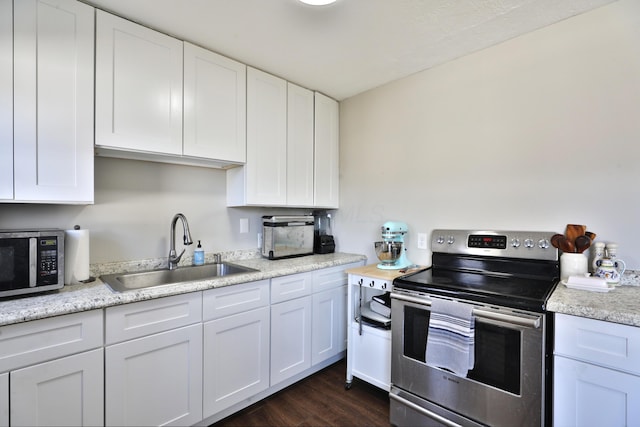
(590, 235)
(565, 245)
(582, 243)
(555, 240)
(574, 230)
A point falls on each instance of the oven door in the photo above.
(505, 387)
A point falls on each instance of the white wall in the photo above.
(534, 133)
(134, 204)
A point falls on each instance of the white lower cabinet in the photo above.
(67, 391)
(236, 344)
(290, 338)
(154, 379)
(596, 373)
(53, 371)
(4, 400)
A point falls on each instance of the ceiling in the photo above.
(352, 45)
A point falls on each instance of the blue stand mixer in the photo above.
(391, 250)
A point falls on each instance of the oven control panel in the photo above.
(511, 244)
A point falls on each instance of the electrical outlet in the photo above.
(244, 225)
(422, 240)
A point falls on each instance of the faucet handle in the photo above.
(217, 258)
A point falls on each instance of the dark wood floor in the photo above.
(319, 400)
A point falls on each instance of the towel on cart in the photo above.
(450, 339)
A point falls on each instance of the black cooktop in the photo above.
(518, 284)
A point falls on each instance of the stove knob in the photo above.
(528, 243)
(543, 243)
(515, 243)
(440, 240)
(451, 240)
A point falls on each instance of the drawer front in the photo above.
(603, 343)
(370, 282)
(235, 299)
(125, 322)
(290, 287)
(333, 277)
(38, 341)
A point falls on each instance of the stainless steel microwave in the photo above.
(287, 236)
(31, 261)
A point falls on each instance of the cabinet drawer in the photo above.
(125, 322)
(289, 287)
(234, 299)
(329, 278)
(603, 343)
(34, 342)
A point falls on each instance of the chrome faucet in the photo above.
(173, 258)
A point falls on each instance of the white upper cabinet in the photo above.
(6, 100)
(138, 87)
(327, 152)
(142, 111)
(263, 181)
(292, 147)
(214, 105)
(299, 146)
(53, 75)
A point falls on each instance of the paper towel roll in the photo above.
(76, 256)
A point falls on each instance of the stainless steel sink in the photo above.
(122, 282)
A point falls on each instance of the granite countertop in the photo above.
(96, 295)
(620, 305)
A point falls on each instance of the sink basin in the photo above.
(122, 282)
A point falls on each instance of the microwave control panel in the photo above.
(47, 260)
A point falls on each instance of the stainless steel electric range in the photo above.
(505, 279)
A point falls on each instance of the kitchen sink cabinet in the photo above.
(153, 362)
(236, 344)
(596, 373)
(52, 371)
(47, 155)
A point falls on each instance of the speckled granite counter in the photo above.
(81, 297)
(621, 305)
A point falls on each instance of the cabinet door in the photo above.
(65, 392)
(53, 99)
(155, 380)
(214, 106)
(138, 87)
(326, 167)
(6, 100)
(299, 146)
(329, 327)
(4, 400)
(588, 395)
(290, 338)
(236, 359)
(266, 168)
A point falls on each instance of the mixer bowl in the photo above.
(388, 252)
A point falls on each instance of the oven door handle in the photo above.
(423, 411)
(520, 320)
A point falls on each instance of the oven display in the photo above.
(487, 241)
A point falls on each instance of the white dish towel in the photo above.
(450, 339)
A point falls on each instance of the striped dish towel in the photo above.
(450, 339)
